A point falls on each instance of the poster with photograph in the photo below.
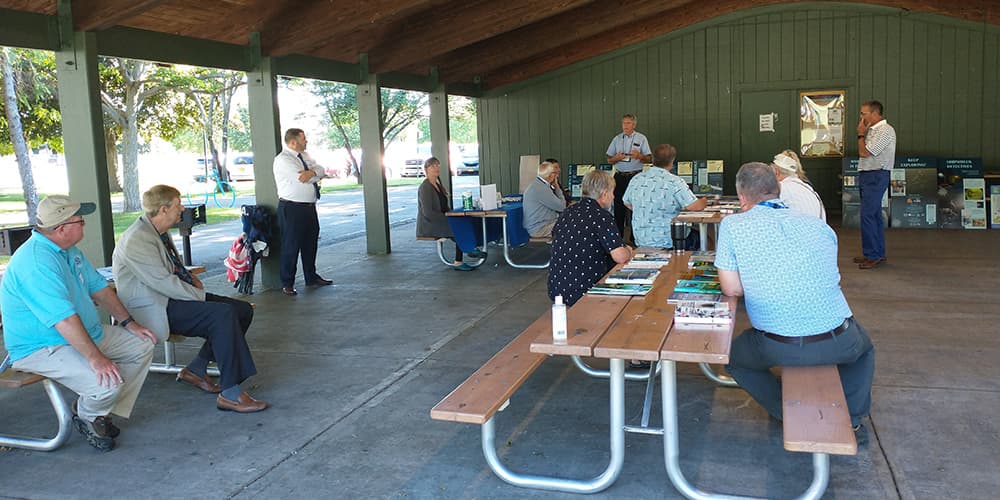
(995, 204)
(974, 212)
(897, 182)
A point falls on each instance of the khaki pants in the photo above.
(64, 364)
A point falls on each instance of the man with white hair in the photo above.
(51, 326)
(543, 200)
(799, 196)
(585, 241)
(798, 313)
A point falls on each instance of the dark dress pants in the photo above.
(872, 184)
(622, 213)
(299, 235)
(752, 356)
(223, 323)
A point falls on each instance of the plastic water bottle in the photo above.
(559, 321)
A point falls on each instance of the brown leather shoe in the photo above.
(862, 259)
(289, 290)
(246, 404)
(204, 383)
(870, 264)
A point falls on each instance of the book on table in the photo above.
(702, 256)
(698, 286)
(633, 276)
(678, 297)
(648, 261)
(703, 312)
(620, 289)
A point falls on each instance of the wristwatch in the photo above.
(126, 321)
(861, 137)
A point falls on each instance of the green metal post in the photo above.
(440, 134)
(265, 133)
(372, 173)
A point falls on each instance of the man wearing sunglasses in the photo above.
(51, 326)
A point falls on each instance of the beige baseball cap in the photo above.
(58, 208)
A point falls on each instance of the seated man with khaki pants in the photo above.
(163, 294)
(52, 328)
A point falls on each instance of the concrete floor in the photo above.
(353, 369)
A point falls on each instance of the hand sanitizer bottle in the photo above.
(559, 321)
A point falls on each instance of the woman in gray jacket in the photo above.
(432, 203)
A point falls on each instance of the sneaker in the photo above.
(94, 436)
(464, 267)
(103, 425)
(477, 255)
(860, 435)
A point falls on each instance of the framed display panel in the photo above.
(821, 124)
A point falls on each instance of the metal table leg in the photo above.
(63, 415)
(703, 236)
(596, 373)
(724, 380)
(671, 448)
(591, 485)
(506, 252)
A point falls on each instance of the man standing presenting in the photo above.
(627, 152)
(785, 265)
(152, 279)
(877, 148)
(297, 178)
(543, 200)
(655, 197)
(51, 326)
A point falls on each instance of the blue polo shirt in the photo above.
(656, 196)
(582, 240)
(787, 263)
(43, 285)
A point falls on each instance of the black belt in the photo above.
(282, 200)
(810, 338)
(629, 174)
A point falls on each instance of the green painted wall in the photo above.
(937, 77)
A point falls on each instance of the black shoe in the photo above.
(94, 436)
(103, 425)
(319, 282)
(639, 365)
(860, 435)
(289, 290)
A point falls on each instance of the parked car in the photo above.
(470, 164)
(412, 167)
(241, 167)
(199, 172)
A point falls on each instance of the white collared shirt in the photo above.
(287, 167)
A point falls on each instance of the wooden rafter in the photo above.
(315, 24)
(559, 31)
(451, 26)
(97, 15)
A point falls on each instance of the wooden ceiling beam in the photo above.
(614, 39)
(314, 24)
(451, 26)
(98, 15)
(624, 18)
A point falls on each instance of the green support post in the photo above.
(83, 134)
(372, 173)
(265, 133)
(440, 134)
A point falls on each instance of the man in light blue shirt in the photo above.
(627, 152)
(655, 197)
(543, 200)
(785, 265)
(52, 328)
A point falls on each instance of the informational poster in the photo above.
(974, 213)
(995, 204)
(821, 123)
(767, 122)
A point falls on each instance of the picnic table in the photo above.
(473, 229)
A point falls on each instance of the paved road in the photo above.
(341, 217)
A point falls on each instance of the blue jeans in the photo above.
(752, 356)
(872, 184)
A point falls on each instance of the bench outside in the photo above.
(13, 379)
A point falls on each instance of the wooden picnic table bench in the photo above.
(13, 379)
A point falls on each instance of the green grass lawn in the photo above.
(354, 185)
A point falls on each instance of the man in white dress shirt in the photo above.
(297, 178)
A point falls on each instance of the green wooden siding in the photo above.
(937, 77)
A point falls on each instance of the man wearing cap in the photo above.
(655, 197)
(627, 152)
(296, 176)
(798, 313)
(52, 328)
(159, 290)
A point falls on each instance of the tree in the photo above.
(211, 91)
(461, 121)
(138, 97)
(340, 101)
(30, 115)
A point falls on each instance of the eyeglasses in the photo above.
(81, 221)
